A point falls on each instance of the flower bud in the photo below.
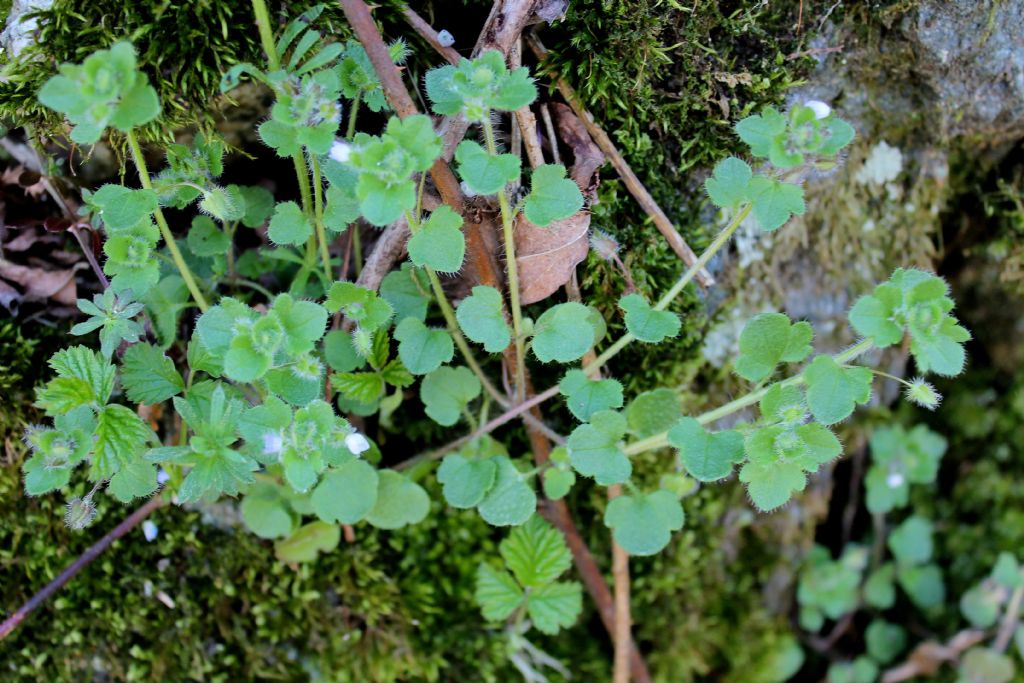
(80, 513)
(820, 109)
(357, 443)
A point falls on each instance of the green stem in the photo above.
(318, 214)
(453, 326)
(511, 267)
(259, 8)
(165, 230)
(669, 296)
(661, 440)
(350, 132)
(357, 249)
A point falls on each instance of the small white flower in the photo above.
(162, 477)
(357, 443)
(895, 480)
(821, 110)
(272, 443)
(340, 151)
(445, 38)
(150, 530)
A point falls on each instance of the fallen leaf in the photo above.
(546, 257)
(40, 285)
(587, 156)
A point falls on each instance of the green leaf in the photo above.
(339, 352)
(289, 225)
(400, 501)
(770, 485)
(923, 585)
(1007, 571)
(642, 524)
(364, 387)
(265, 512)
(308, 541)
(206, 239)
(121, 208)
(982, 665)
(911, 541)
(485, 174)
(497, 593)
(728, 187)
(84, 377)
(439, 243)
(769, 339)
(706, 456)
(647, 324)
(885, 641)
(558, 483)
(421, 348)
(223, 204)
(874, 316)
(585, 396)
(258, 203)
(405, 290)
(120, 439)
(511, 500)
(476, 86)
(465, 480)
(280, 137)
(164, 303)
(981, 605)
(594, 449)
(481, 319)
(536, 553)
(942, 351)
(833, 391)
(563, 333)
(555, 606)
(775, 201)
(304, 323)
(761, 131)
(135, 479)
(879, 589)
(653, 412)
(347, 493)
(148, 375)
(446, 391)
(359, 304)
(552, 196)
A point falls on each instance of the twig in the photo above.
(527, 123)
(91, 553)
(428, 34)
(549, 128)
(623, 620)
(1010, 619)
(556, 512)
(633, 184)
(926, 658)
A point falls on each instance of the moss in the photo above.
(184, 48)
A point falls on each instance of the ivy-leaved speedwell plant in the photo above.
(261, 384)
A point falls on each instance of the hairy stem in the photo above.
(350, 132)
(453, 325)
(510, 265)
(165, 230)
(661, 440)
(680, 284)
(259, 8)
(318, 216)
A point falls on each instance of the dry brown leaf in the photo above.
(40, 285)
(587, 156)
(546, 257)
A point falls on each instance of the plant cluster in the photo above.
(261, 385)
